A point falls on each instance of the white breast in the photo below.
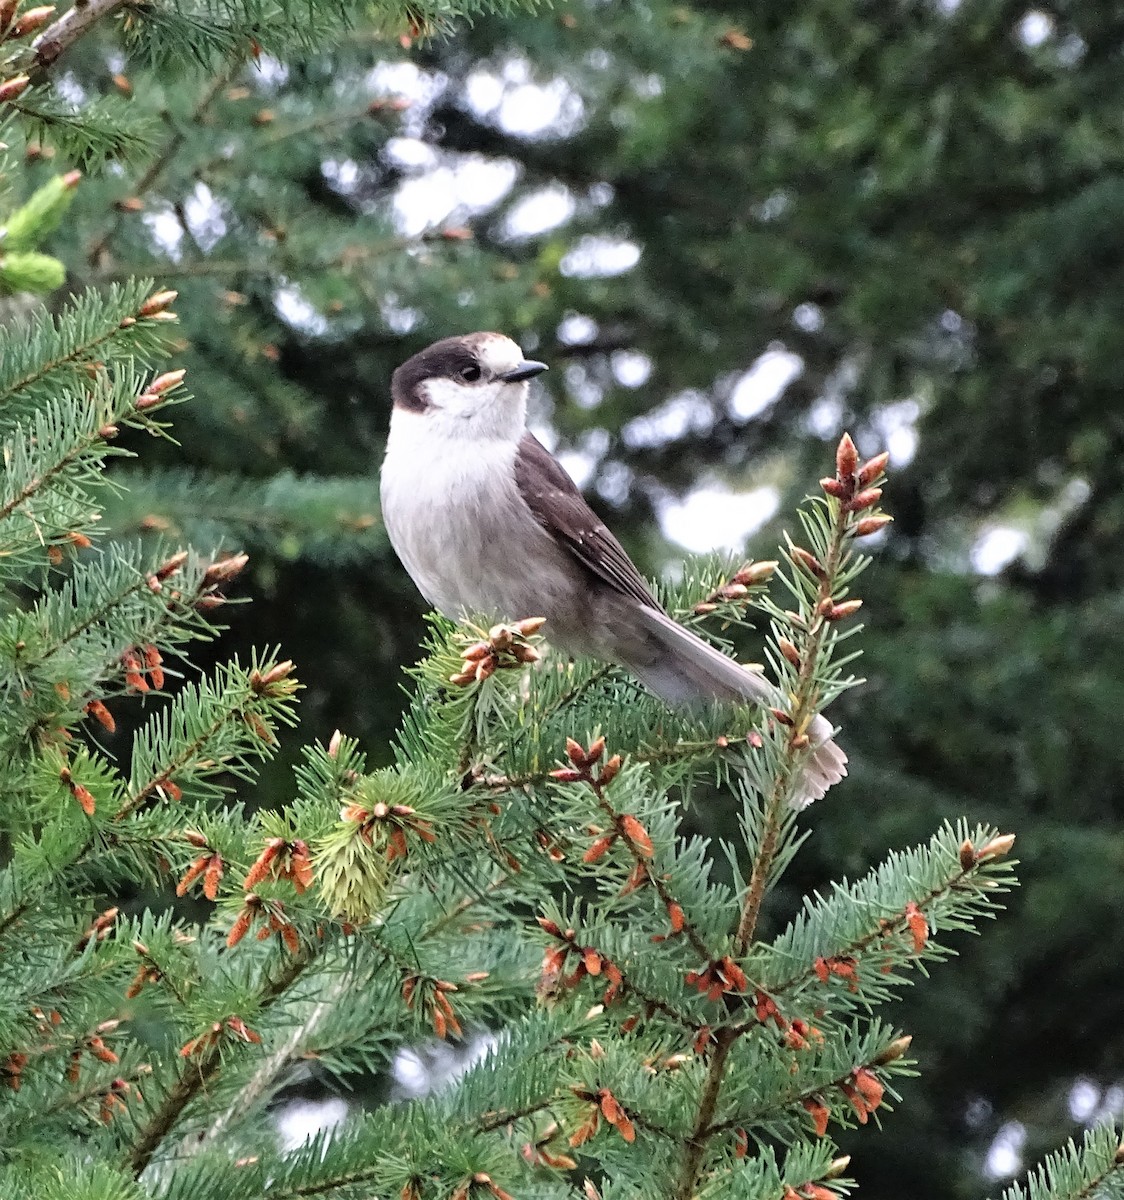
(462, 531)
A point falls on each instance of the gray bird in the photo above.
(486, 521)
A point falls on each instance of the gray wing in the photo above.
(561, 510)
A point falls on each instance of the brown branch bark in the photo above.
(60, 35)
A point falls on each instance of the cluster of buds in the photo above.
(100, 928)
(844, 966)
(506, 646)
(582, 761)
(155, 391)
(143, 668)
(800, 1035)
(827, 607)
(590, 962)
(80, 793)
(12, 1069)
(209, 865)
(862, 1089)
(275, 681)
(94, 1046)
(155, 308)
(477, 1181)
(148, 972)
(391, 821)
(864, 1092)
(629, 829)
(918, 927)
(433, 995)
(115, 1099)
(279, 860)
(101, 714)
(719, 977)
(602, 1104)
(74, 538)
(166, 569)
(751, 575)
(855, 486)
(539, 1153)
(998, 847)
(220, 572)
(271, 915)
(233, 1027)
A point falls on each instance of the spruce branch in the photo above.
(130, 319)
(197, 1074)
(164, 157)
(1095, 1168)
(848, 507)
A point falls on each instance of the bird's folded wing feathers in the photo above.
(560, 508)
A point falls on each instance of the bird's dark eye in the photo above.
(470, 374)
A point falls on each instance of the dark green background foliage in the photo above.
(921, 200)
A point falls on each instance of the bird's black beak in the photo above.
(525, 370)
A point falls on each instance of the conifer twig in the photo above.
(267, 1072)
(60, 35)
(164, 157)
(801, 714)
(196, 1075)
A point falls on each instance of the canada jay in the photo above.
(486, 521)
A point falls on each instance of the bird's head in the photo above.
(469, 386)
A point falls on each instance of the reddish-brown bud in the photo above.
(846, 459)
(32, 20)
(102, 715)
(789, 651)
(893, 1051)
(967, 855)
(172, 565)
(261, 683)
(156, 303)
(847, 608)
(225, 569)
(808, 561)
(165, 383)
(998, 847)
(837, 1167)
(873, 468)
(833, 487)
(609, 770)
(754, 573)
(530, 625)
(869, 525)
(865, 499)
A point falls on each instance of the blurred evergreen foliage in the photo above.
(919, 200)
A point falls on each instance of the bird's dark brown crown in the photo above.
(445, 359)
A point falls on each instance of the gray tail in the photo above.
(683, 669)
